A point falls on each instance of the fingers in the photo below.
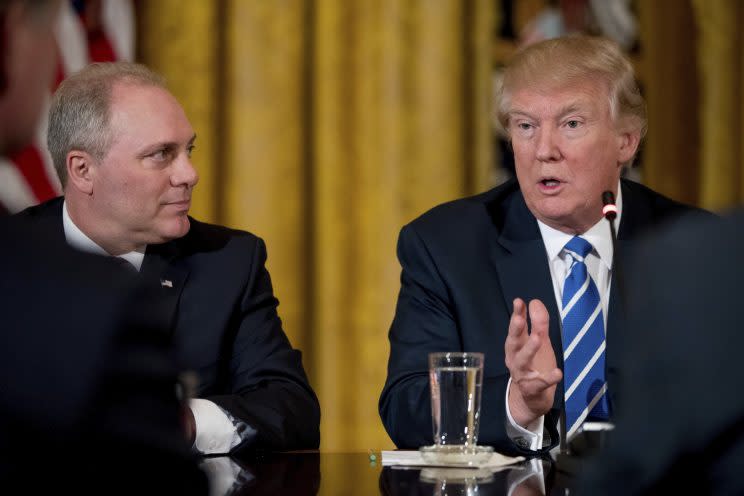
(525, 346)
(530, 355)
(530, 359)
(517, 334)
(525, 356)
(518, 321)
(539, 318)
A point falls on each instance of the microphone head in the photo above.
(610, 209)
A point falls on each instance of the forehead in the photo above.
(148, 112)
(551, 100)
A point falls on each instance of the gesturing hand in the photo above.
(531, 363)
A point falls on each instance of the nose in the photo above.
(547, 145)
(184, 173)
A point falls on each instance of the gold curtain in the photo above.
(324, 126)
(177, 39)
(720, 53)
(692, 69)
(668, 74)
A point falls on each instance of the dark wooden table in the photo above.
(313, 473)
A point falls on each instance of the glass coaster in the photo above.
(456, 455)
(456, 475)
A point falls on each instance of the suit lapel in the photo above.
(518, 253)
(637, 216)
(164, 266)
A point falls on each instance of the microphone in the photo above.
(609, 210)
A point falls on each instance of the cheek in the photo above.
(523, 157)
(521, 148)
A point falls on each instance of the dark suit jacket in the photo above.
(680, 424)
(217, 294)
(87, 384)
(463, 264)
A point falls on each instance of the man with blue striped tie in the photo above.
(523, 272)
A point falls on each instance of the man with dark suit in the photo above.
(683, 292)
(87, 382)
(121, 145)
(574, 116)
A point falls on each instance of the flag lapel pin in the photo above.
(166, 283)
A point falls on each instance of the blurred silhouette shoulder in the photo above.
(87, 380)
(681, 422)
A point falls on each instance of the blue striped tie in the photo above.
(583, 342)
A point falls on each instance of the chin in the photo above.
(563, 219)
(173, 230)
(555, 209)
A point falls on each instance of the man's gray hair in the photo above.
(81, 110)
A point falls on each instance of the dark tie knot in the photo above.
(580, 246)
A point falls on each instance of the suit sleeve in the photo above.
(426, 322)
(423, 323)
(269, 389)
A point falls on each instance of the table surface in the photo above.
(311, 473)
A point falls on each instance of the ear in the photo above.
(80, 171)
(628, 142)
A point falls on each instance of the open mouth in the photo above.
(550, 182)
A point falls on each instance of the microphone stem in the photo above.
(617, 282)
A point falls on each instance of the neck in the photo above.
(114, 243)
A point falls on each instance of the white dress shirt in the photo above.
(215, 431)
(599, 265)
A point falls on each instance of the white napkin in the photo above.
(414, 459)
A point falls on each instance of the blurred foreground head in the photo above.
(27, 63)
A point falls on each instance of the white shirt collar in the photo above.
(79, 240)
(598, 235)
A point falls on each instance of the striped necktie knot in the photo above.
(578, 246)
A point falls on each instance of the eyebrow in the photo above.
(570, 108)
(168, 145)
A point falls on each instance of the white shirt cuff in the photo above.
(215, 433)
(529, 438)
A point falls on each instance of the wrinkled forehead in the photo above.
(138, 104)
(553, 99)
(126, 93)
(145, 113)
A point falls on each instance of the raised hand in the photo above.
(531, 363)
